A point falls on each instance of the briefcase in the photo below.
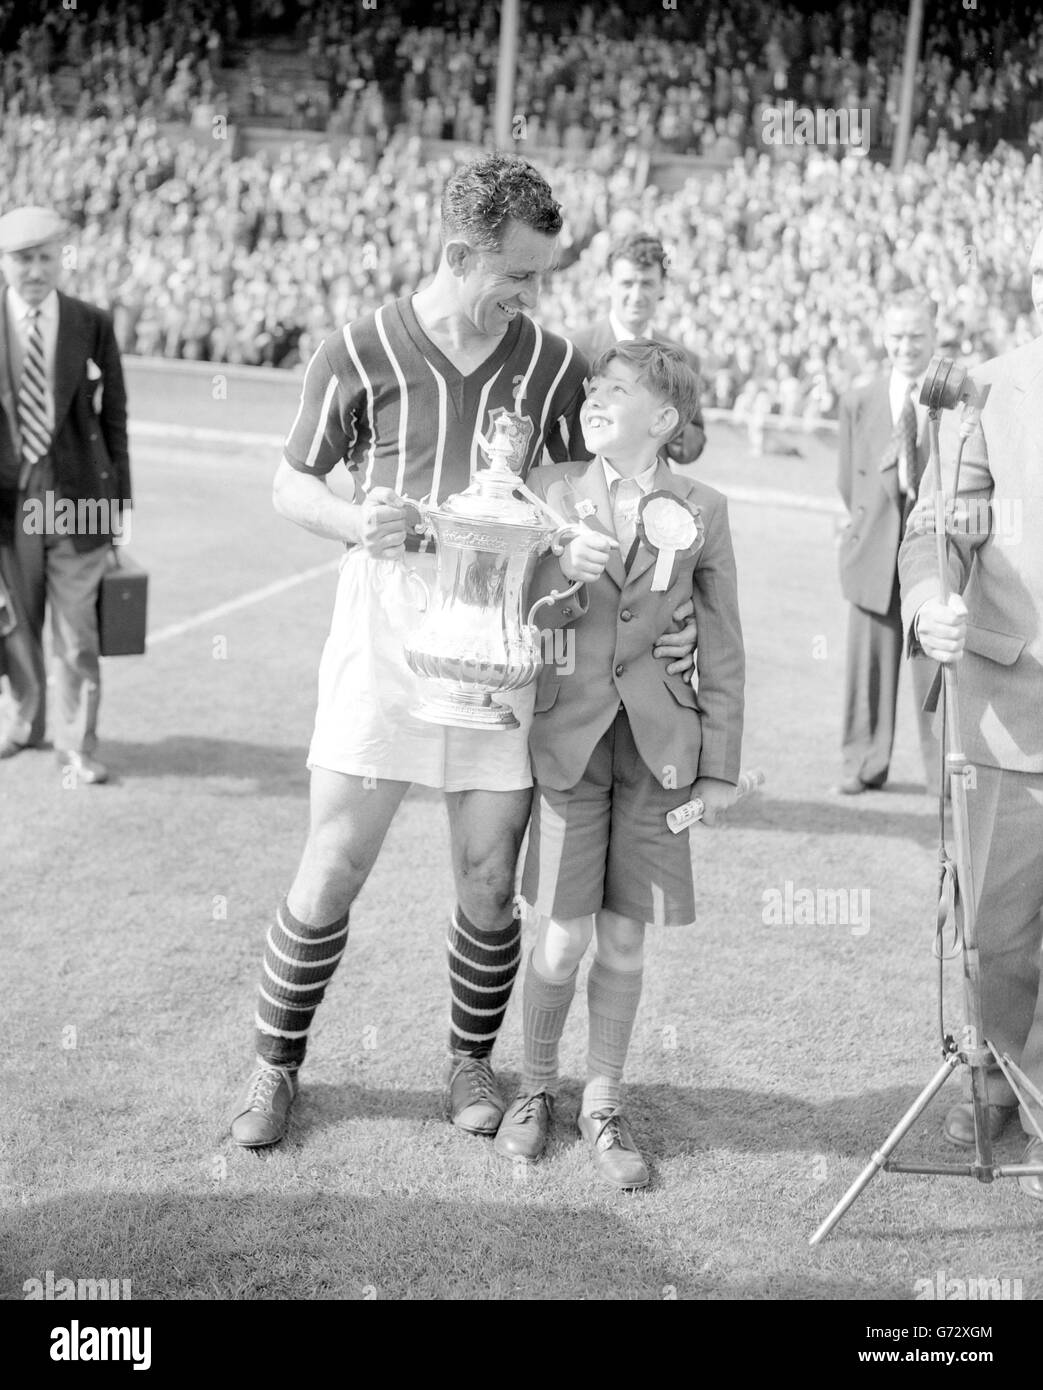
(122, 607)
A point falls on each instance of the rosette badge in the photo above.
(669, 528)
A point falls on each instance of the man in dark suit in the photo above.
(637, 283)
(64, 488)
(883, 449)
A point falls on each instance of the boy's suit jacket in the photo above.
(681, 733)
(89, 449)
(995, 561)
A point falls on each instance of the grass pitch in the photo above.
(769, 1058)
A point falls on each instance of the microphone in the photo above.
(946, 386)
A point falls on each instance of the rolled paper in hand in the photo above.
(681, 817)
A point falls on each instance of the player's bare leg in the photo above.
(486, 829)
(350, 817)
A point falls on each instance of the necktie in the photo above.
(908, 463)
(32, 395)
(626, 493)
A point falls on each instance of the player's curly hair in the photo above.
(661, 369)
(483, 195)
(642, 248)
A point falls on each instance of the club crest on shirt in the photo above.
(520, 430)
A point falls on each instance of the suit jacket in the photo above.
(681, 732)
(593, 341)
(89, 447)
(995, 561)
(867, 477)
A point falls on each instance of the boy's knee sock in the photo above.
(482, 967)
(545, 1007)
(299, 961)
(612, 1000)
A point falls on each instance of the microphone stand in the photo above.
(974, 1050)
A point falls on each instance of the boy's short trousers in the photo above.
(605, 842)
(364, 725)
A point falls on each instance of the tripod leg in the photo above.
(890, 1144)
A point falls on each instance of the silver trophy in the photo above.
(474, 641)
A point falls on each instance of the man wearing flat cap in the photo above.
(64, 489)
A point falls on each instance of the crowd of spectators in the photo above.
(779, 272)
(778, 269)
(687, 79)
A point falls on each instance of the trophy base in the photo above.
(465, 711)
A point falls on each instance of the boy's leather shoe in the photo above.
(264, 1109)
(1033, 1186)
(523, 1133)
(84, 767)
(472, 1098)
(616, 1156)
(959, 1123)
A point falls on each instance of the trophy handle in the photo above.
(414, 578)
(423, 509)
(555, 596)
(566, 532)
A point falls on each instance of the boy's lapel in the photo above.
(665, 481)
(590, 486)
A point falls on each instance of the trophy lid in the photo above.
(490, 496)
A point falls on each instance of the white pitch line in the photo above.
(756, 496)
(243, 601)
(198, 434)
(777, 497)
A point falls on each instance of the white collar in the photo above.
(622, 333)
(644, 480)
(899, 379)
(48, 307)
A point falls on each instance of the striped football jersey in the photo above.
(382, 397)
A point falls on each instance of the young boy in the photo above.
(615, 742)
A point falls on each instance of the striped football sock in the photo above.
(545, 1007)
(612, 1000)
(299, 962)
(482, 967)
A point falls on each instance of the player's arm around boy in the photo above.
(616, 743)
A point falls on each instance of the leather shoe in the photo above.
(84, 767)
(523, 1133)
(959, 1123)
(472, 1098)
(616, 1156)
(264, 1109)
(854, 786)
(1033, 1186)
(10, 746)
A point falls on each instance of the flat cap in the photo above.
(25, 227)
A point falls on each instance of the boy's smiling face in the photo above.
(622, 419)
